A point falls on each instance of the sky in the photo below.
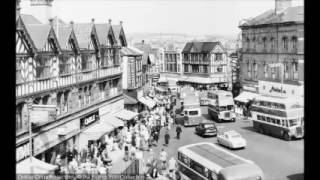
(193, 17)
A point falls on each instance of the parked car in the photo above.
(231, 139)
(206, 129)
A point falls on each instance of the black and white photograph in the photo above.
(159, 89)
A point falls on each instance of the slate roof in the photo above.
(83, 34)
(291, 14)
(63, 33)
(29, 19)
(129, 51)
(56, 19)
(102, 32)
(39, 34)
(199, 47)
(145, 48)
(117, 31)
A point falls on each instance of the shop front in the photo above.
(48, 145)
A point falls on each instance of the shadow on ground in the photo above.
(299, 176)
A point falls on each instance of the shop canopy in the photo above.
(147, 101)
(97, 130)
(38, 167)
(112, 120)
(125, 114)
(246, 96)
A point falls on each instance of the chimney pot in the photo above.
(92, 20)
(109, 21)
(51, 21)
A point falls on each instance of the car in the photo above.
(206, 129)
(231, 139)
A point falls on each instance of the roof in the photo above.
(145, 48)
(102, 32)
(287, 101)
(291, 14)
(212, 156)
(60, 22)
(63, 33)
(190, 100)
(117, 32)
(129, 51)
(245, 96)
(199, 47)
(29, 19)
(236, 172)
(39, 34)
(83, 34)
(129, 99)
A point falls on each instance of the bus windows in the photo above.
(268, 104)
(230, 107)
(223, 108)
(193, 113)
(268, 119)
(272, 120)
(197, 167)
(263, 118)
(212, 176)
(259, 117)
(293, 122)
(278, 121)
(286, 123)
(186, 113)
(282, 106)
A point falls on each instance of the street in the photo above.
(279, 159)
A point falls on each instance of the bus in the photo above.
(191, 111)
(206, 161)
(221, 106)
(278, 116)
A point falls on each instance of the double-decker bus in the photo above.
(278, 116)
(191, 111)
(221, 106)
(206, 161)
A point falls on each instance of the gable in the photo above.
(218, 48)
(23, 41)
(122, 38)
(21, 47)
(111, 34)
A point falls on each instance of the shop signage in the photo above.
(89, 119)
(22, 152)
(50, 138)
(43, 113)
(275, 89)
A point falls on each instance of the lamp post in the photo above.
(29, 105)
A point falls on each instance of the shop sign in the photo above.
(89, 119)
(48, 139)
(275, 89)
(22, 152)
(43, 113)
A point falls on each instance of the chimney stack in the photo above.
(109, 21)
(120, 23)
(51, 22)
(282, 5)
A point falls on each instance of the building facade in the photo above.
(205, 64)
(273, 47)
(73, 72)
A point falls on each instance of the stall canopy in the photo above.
(38, 167)
(111, 120)
(97, 130)
(147, 101)
(245, 96)
(126, 115)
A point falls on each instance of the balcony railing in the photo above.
(41, 85)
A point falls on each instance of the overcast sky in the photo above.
(194, 17)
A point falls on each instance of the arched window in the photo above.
(294, 41)
(272, 44)
(285, 44)
(264, 44)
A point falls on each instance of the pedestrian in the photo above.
(170, 122)
(156, 136)
(178, 131)
(133, 141)
(126, 152)
(167, 138)
(172, 166)
(163, 159)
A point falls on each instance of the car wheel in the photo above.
(233, 119)
(286, 137)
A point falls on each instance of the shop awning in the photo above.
(38, 167)
(160, 89)
(147, 101)
(126, 115)
(97, 130)
(111, 120)
(245, 96)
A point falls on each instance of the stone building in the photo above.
(273, 49)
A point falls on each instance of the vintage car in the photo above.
(206, 129)
(231, 139)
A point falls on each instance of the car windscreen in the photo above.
(209, 125)
(193, 113)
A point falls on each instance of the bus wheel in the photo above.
(287, 137)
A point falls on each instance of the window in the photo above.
(293, 122)
(223, 108)
(197, 167)
(218, 57)
(195, 68)
(184, 159)
(205, 69)
(254, 44)
(263, 118)
(278, 121)
(265, 70)
(248, 44)
(219, 68)
(286, 71)
(186, 68)
(272, 120)
(18, 70)
(283, 122)
(272, 44)
(259, 117)
(19, 121)
(285, 44)
(295, 70)
(255, 70)
(268, 119)
(273, 72)
(193, 113)
(264, 43)
(249, 69)
(43, 66)
(294, 44)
